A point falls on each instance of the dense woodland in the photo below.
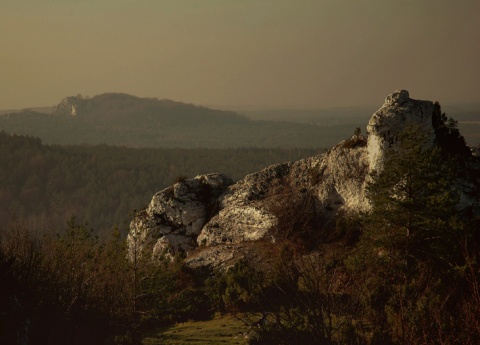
(261, 134)
(407, 272)
(101, 184)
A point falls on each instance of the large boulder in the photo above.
(243, 210)
(177, 214)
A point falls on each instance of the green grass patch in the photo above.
(220, 330)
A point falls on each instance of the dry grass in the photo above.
(220, 330)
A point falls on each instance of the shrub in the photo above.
(297, 220)
(237, 289)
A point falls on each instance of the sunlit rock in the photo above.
(386, 123)
(177, 214)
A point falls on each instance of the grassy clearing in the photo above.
(220, 330)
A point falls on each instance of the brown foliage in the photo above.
(66, 284)
(294, 208)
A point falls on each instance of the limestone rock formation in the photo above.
(334, 180)
(398, 111)
(243, 213)
(325, 186)
(176, 214)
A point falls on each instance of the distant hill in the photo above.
(126, 120)
(45, 110)
(124, 109)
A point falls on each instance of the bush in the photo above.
(238, 289)
(69, 287)
(297, 219)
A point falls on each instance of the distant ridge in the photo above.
(126, 120)
(128, 109)
(44, 110)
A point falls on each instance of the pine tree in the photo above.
(413, 198)
(411, 242)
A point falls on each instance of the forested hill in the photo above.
(125, 120)
(103, 184)
(124, 109)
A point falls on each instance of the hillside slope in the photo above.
(125, 120)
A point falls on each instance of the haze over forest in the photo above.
(242, 54)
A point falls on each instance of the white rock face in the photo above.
(345, 173)
(243, 214)
(335, 180)
(398, 111)
(177, 214)
(237, 224)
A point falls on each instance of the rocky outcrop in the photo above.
(70, 106)
(398, 111)
(248, 209)
(243, 213)
(176, 215)
(209, 212)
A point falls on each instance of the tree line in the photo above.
(101, 184)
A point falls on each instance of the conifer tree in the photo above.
(411, 241)
(413, 198)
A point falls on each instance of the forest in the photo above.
(103, 185)
(406, 272)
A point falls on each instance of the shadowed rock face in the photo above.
(211, 211)
(398, 111)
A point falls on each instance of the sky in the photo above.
(240, 53)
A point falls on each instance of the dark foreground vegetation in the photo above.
(408, 272)
(74, 289)
(102, 184)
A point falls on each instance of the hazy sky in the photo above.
(263, 53)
